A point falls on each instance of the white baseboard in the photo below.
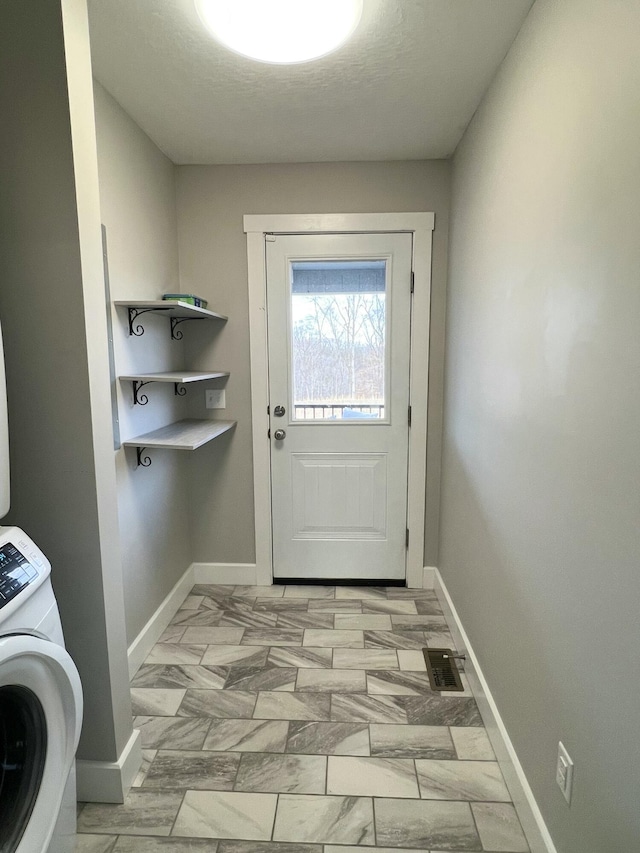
(225, 573)
(429, 577)
(148, 637)
(535, 829)
(109, 781)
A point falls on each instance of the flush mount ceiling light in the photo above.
(281, 32)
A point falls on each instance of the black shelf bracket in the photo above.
(176, 334)
(143, 461)
(139, 399)
(138, 330)
(179, 390)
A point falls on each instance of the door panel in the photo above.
(339, 338)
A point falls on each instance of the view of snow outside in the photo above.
(338, 354)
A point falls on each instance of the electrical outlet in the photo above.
(214, 399)
(564, 772)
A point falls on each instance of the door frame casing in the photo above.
(421, 226)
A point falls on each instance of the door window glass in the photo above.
(338, 340)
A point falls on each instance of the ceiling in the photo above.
(404, 88)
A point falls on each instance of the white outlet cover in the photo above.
(564, 772)
(215, 398)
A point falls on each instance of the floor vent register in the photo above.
(442, 669)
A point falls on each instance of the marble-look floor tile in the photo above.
(302, 658)
(304, 591)
(273, 636)
(398, 741)
(173, 732)
(292, 706)
(267, 847)
(472, 744)
(274, 591)
(146, 701)
(211, 636)
(278, 605)
(429, 607)
(328, 738)
(372, 777)
(209, 771)
(304, 619)
(360, 707)
(191, 602)
(172, 634)
(230, 704)
(331, 680)
(439, 640)
(360, 593)
(380, 606)
(329, 848)
(362, 621)
(213, 590)
(147, 757)
(425, 824)
(170, 676)
(248, 619)
(394, 640)
(333, 606)
(410, 660)
(217, 814)
(282, 774)
(261, 678)
(142, 813)
(402, 622)
(333, 639)
(395, 683)
(329, 820)
(461, 780)
(365, 659)
(176, 653)
(435, 710)
(95, 843)
(499, 828)
(136, 844)
(235, 656)
(230, 605)
(196, 618)
(247, 736)
(411, 594)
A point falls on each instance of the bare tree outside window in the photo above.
(338, 353)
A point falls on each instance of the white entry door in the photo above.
(339, 311)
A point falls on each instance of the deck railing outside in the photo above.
(337, 411)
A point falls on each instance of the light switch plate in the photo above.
(215, 398)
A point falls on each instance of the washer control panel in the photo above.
(21, 563)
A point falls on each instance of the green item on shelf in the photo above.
(189, 298)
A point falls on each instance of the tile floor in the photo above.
(299, 719)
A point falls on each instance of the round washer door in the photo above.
(40, 720)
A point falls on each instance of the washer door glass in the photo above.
(23, 746)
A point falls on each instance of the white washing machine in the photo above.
(40, 706)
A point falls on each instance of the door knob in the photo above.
(279, 434)
(278, 411)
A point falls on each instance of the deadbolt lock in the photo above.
(279, 411)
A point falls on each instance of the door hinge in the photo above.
(270, 238)
(407, 539)
(268, 433)
(409, 415)
(413, 281)
(268, 410)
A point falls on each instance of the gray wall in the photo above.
(213, 263)
(137, 198)
(53, 316)
(540, 503)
